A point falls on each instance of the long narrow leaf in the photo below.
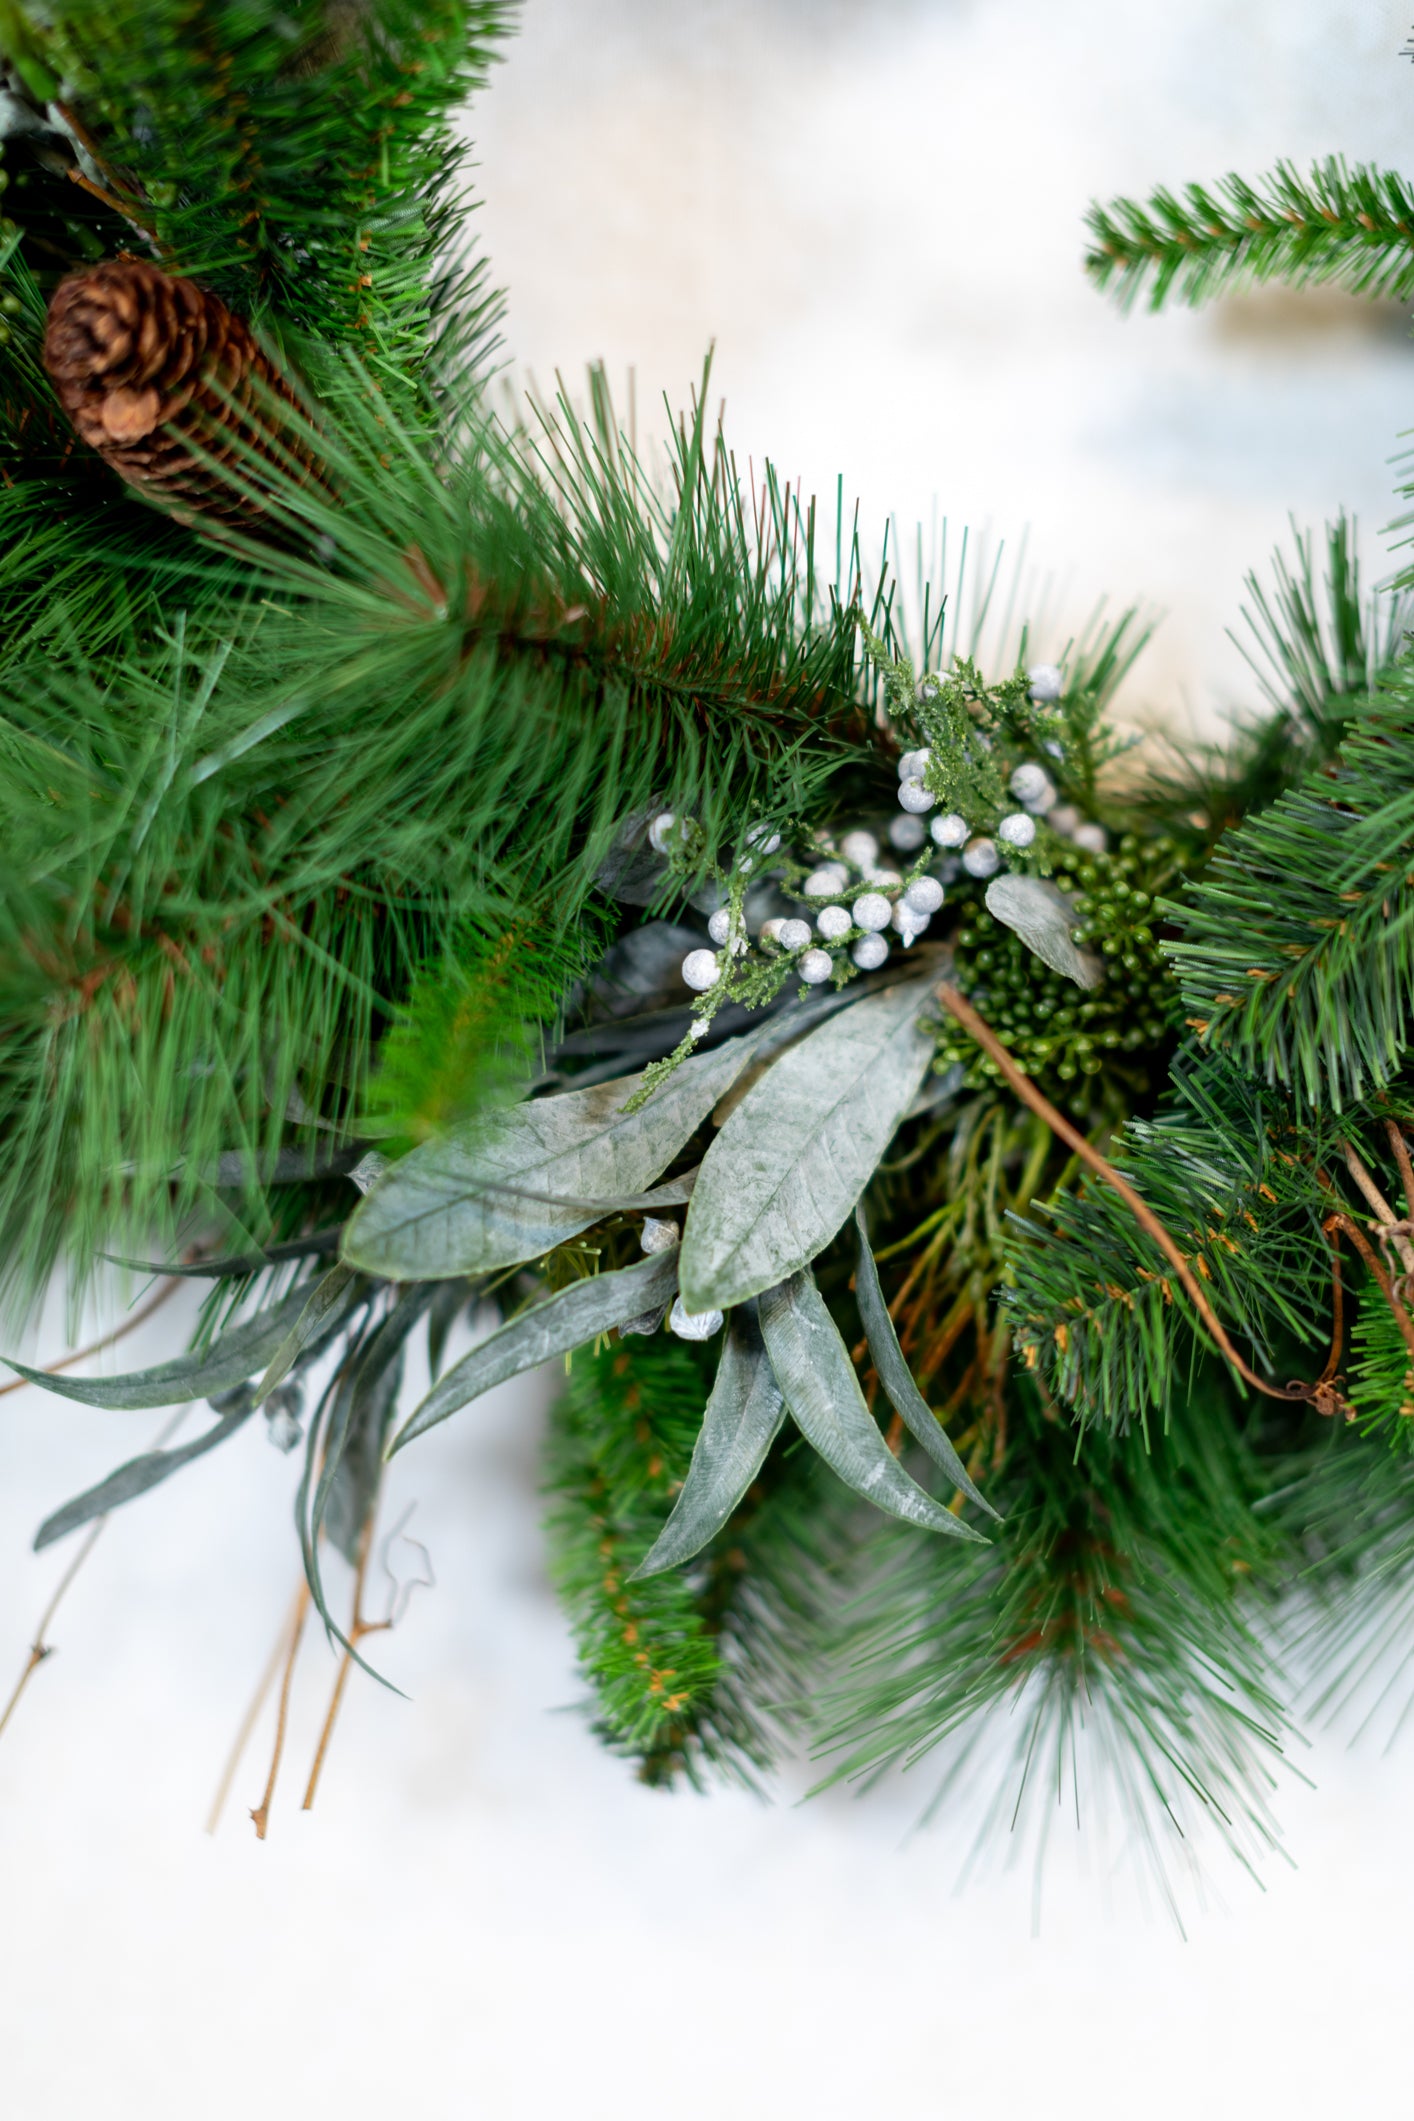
(135, 1478)
(742, 1420)
(815, 1374)
(795, 1155)
(547, 1329)
(508, 1186)
(238, 1355)
(896, 1377)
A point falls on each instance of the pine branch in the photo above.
(1341, 226)
(294, 157)
(1297, 949)
(1106, 1625)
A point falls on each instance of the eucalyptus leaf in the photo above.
(551, 1327)
(352, 1473)
(327, 1304)
(794, 1157)
(229, 1265)
(239, 1354)
(742, 1420)
(1043, 917)
(896, 1377)
(135, 1478)
(510, 1185)
(821, 1390)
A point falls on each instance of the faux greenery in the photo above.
(965, 1166)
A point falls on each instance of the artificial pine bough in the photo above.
(446, 870)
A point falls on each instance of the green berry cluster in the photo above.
(1058, 1031)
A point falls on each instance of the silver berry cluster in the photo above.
(978, 851)
(851, 903)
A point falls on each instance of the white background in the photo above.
(876, 212)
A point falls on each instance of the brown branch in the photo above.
(261, 1814)
(252, 1714)
(1348, 1227)
(358, 1628)
(39, 1648)
(96, 1347)
(980, 1031)
(1406, 1170)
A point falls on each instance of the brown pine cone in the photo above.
(147, 366)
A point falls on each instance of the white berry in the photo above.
(980, 858)
(924, 895)
(1045, 681)
(826, 881)
(1018, 830)
(719, 927)
(860, 848)
(658, 1234)
(912, 795)
(816, 967)
(1032, 785)
(908, 923)
(700, 970)
(870, 952)
(660, 832)
(884, 879)
(906, 833)
(763, 839)
(872, 911)
(927, 688)
(950, 830)
(794, 935)
(914, 764)
(699, 1029)
(1091, 839)
(1063, 819)
(693, 1325)
(833, 923)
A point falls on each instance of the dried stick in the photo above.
(358, 1628)
(252, 1714)
(39, 1648)
(980, 1031)
(1406, 1170)
(261, 1814)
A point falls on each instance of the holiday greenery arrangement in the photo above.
(448, 869)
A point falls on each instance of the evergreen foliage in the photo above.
(406, 815)
(1342, 226)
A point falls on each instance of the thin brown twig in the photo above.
(96, 1347)
(1406, 1170)
(982, 1033)
(358, 1628)
(39, 1648)
(252, 1714)
(1348, 1227)
(261, 1814)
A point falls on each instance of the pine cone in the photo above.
(148, 367)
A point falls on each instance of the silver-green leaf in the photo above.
(742, 1420)
(238, 1355)
(896, 1377)
(795, 1155)
(549, 1328)
(326, 1306)
(821, 1390)
(1043, 917)
(510, 1185)
(136, 1477)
